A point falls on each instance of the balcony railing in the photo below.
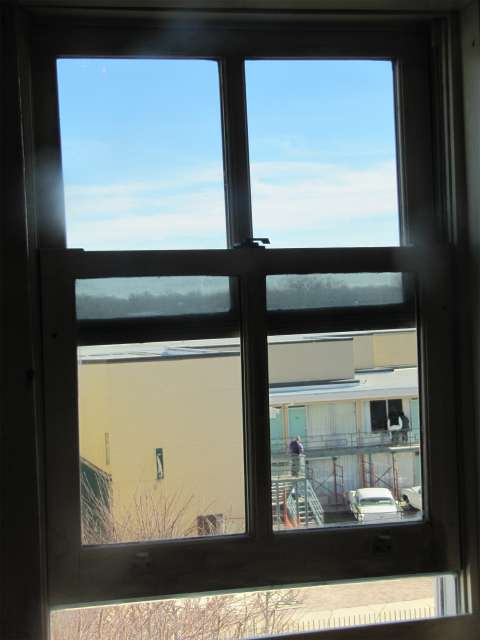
(356, 440)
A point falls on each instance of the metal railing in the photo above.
(314, 503)
(356, 440)
(340, 618)
(303, 496)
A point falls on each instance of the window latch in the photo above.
(252, 243)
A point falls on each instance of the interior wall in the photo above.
(23, 613)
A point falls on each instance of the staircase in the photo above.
(295, 504)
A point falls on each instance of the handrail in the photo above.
(351, 440)
(314, 503)
(302, 488)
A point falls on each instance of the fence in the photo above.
(332, 621)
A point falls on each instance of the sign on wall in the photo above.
(159, 461)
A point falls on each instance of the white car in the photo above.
(413, 497)
(373, 504)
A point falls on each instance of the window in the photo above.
(384, 412)
(134, 149)
(271, 613)
(230, 309)
(159, 464)
(313, 163)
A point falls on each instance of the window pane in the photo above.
(345, 429)
(322, 152)
(100, 298)
(263, 613)
(316, 291)
(161, 440)
(142, 153)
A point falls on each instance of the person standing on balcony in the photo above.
(296, 449)
(394, 426)
(405, 426)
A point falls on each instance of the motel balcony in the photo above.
(340, 444)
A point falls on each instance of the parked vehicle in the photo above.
(412, 496)
(373, 504)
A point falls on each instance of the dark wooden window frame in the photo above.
(80, 574)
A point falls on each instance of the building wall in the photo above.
(310, 361)
(395, 349)
(385, 349)
(328, 418)
(95, 415)
(325, 418)
(363, 351)
(191, 409)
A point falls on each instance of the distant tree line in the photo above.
(299, 294)
(147, 304)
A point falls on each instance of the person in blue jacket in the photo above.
(295, 449)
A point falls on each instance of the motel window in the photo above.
(381, 411)
(234, 230)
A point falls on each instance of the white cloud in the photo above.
(311, 192)
(187, 210)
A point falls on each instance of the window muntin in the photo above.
(322, 152)
(141, 153)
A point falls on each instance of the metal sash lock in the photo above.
(252, 243)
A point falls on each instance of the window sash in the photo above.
(107, 264)
(406, 46)
(80, 574)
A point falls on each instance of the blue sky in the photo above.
(142, 153)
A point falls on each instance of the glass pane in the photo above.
(142, 153)
(100, 298)
(263, 613)
(317, 291)
(322, 152)
(345, 429)
(161, 440)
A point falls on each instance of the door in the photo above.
(296, 422)
(277, 437)
(415, 417)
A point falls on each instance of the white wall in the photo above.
(331, 417)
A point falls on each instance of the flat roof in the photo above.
(204, 347)
(372, 384)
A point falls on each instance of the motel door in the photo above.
(415, 425)
(414, 415)
(296, 422)
(277, 436)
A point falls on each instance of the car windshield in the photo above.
(367, 502)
